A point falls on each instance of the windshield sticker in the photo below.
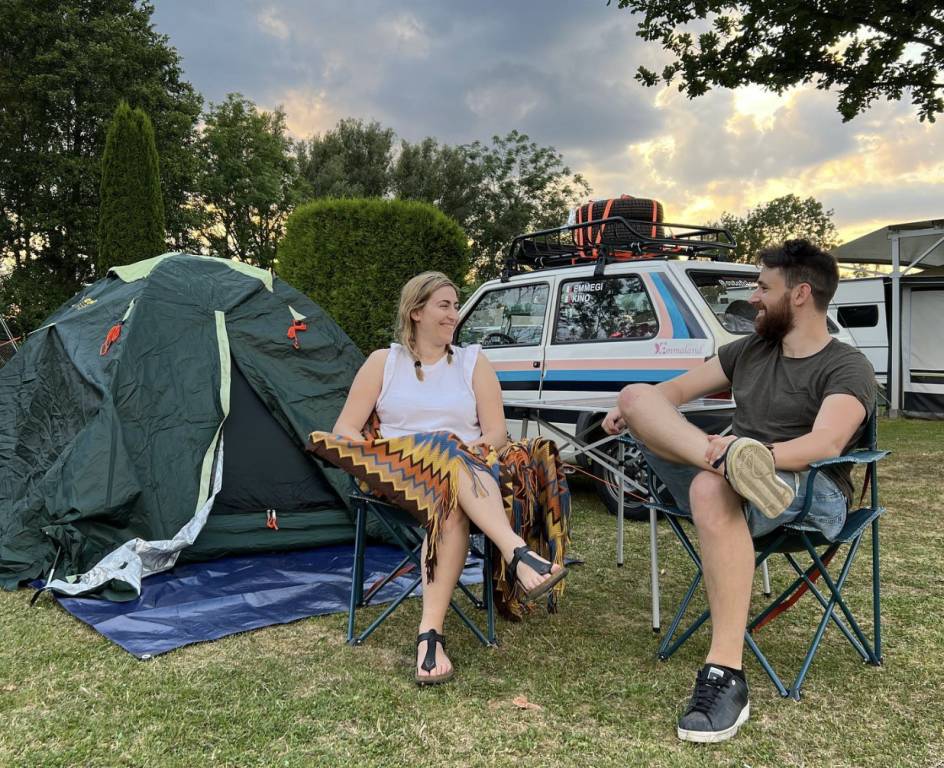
(728, 283)
(578, 293)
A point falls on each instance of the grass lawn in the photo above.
(298, 696)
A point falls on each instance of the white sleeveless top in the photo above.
(444, 400)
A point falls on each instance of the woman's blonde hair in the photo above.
(413, 296)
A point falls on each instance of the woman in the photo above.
(435, 400)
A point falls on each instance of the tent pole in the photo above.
(894, 373)
(917, 261)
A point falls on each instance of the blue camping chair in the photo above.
(404, 530)
(788, 541)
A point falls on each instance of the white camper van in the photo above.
(859, 306)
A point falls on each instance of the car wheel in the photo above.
(606, 484)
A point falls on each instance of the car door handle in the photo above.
(536, 364)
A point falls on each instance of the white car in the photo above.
(586, 326)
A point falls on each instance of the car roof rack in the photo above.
(614, 239)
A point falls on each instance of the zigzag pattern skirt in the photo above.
(420, 473)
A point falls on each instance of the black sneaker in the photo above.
(718, 707)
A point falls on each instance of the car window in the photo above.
(604, 309)
(727, 294)
(506, 317)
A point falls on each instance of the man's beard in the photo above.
(776, 322)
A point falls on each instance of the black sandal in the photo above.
(429, 660)
(524, 554)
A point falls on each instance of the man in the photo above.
(801, 396)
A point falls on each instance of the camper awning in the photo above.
(915, 239)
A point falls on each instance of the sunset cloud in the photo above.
(563, 74)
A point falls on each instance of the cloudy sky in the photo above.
(562, 72)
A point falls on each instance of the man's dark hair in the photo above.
(803, 262)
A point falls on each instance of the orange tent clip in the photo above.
(112, 336)
(296, 327)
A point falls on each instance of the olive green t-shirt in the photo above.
(779, 397)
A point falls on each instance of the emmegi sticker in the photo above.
(578, 293)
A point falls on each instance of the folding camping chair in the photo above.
(788, 541)
(408, 534)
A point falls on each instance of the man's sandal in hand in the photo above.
(749, 468)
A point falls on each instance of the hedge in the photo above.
(131, 218)
(352, 256)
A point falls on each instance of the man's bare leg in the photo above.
(655, 420)
(727, 559)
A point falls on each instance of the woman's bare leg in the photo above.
(451, 551)
(484, 507)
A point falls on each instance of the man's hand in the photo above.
(613, 424)
(717, 445)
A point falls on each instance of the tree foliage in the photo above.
(64, 67)
(443, 175)
(523, 187)
(353, 160)
(131, 221)
(351, 257)
(780, 219)
(866, 50)
(494, 191)
(248, 183)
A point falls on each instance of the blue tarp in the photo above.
(205, 601)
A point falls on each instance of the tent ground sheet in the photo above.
(205, 601)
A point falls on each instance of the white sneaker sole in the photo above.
(751, 471)
(710, 737)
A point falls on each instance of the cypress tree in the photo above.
(131, 219)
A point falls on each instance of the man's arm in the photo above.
(836, 422)
(698, 382)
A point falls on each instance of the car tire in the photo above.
(605, 485)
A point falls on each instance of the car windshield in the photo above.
(727, 294)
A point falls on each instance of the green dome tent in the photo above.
(160, 416)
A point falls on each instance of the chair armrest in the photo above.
(861, 456)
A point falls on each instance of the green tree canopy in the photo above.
(352, 160)
(440, 174)
(780, 219)
(523, 187)
(249, 181)
(866, 50)
(64, 67)
(131, 223)
(352, 256)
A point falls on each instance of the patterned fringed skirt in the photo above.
(420, 473)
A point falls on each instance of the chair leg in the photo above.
(387, 611)
(357, 570)
(488, 591)
(876, 595)
(765, 665)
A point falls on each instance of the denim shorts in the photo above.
(827, 512)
